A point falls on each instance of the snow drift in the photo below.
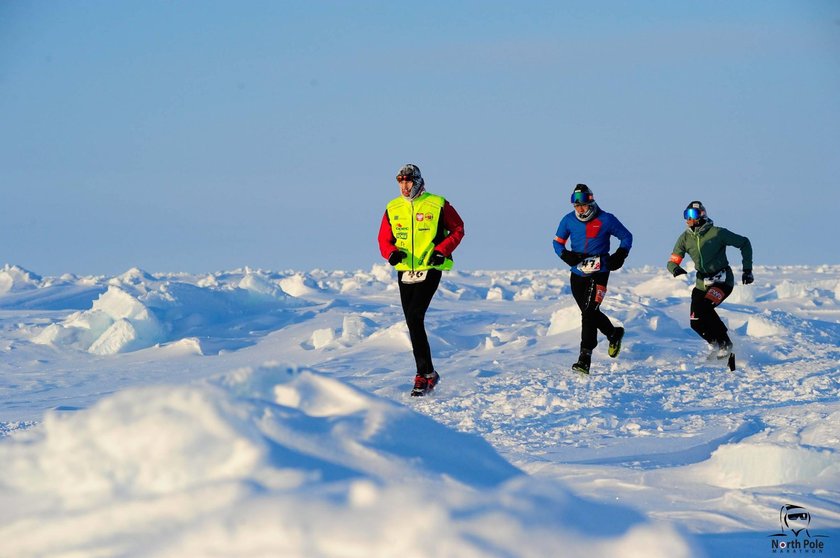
(252, 462)
(139, 310)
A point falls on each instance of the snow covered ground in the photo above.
(259, 413)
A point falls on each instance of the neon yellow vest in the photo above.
(415, 224)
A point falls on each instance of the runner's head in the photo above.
(695, 215)
(584, 202)
(411, 181)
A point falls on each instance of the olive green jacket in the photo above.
(707, 248)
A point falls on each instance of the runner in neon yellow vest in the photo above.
(417, 235)
(415, 224)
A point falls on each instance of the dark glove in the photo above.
(571, 258)
(437, 258)
(396, 257)
(679, 271)
(747, 277)
(616, 260)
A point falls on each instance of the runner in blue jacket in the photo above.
(583, 242)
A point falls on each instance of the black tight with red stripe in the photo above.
(589, 293)
(704, 318)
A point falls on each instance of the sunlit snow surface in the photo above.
(261, 413)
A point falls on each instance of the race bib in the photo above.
(590, 265)
(409, 277)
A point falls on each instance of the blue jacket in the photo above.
(591, 238)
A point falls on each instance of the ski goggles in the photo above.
(692, 213)
(582, 198)
(404, 178)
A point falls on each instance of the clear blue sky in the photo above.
(201, 136)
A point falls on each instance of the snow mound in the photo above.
(117, 322)
(395, 335)
(16, 279)
(764, 326)
(563, 320)
(138, 443)
(664, 286)
(139, 310)
(182, 347)
(259, 285)
(277, 462)
(298, 285)
(354, 328)
(789, 290)
(383, 273)
(764, 464)
(321, 338)
(134, 276)
(742, 294)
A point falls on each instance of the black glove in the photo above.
(396, 257)
(571, 258)
(679, 271)
(437, 258)
(616, 260)
(747, 277)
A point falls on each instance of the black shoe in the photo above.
(724, 349)
(584, 360)
(731, 362)
(615, 342)
(424, 384)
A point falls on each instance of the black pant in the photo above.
(704, 318)
(415, 298)
(589, 292)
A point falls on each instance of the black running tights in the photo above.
(415, 298)
(589, 292)
(704, 318)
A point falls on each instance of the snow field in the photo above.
(162, 404)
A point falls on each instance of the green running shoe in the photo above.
(615, 342)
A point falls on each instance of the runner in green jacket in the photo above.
(706, 244)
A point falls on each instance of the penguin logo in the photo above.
(795, 518)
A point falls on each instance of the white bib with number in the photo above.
(590, 265)
(409, 277)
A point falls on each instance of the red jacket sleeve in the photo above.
(386, 237)
(455, 225)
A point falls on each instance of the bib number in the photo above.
(590, 265)
(410, 277)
